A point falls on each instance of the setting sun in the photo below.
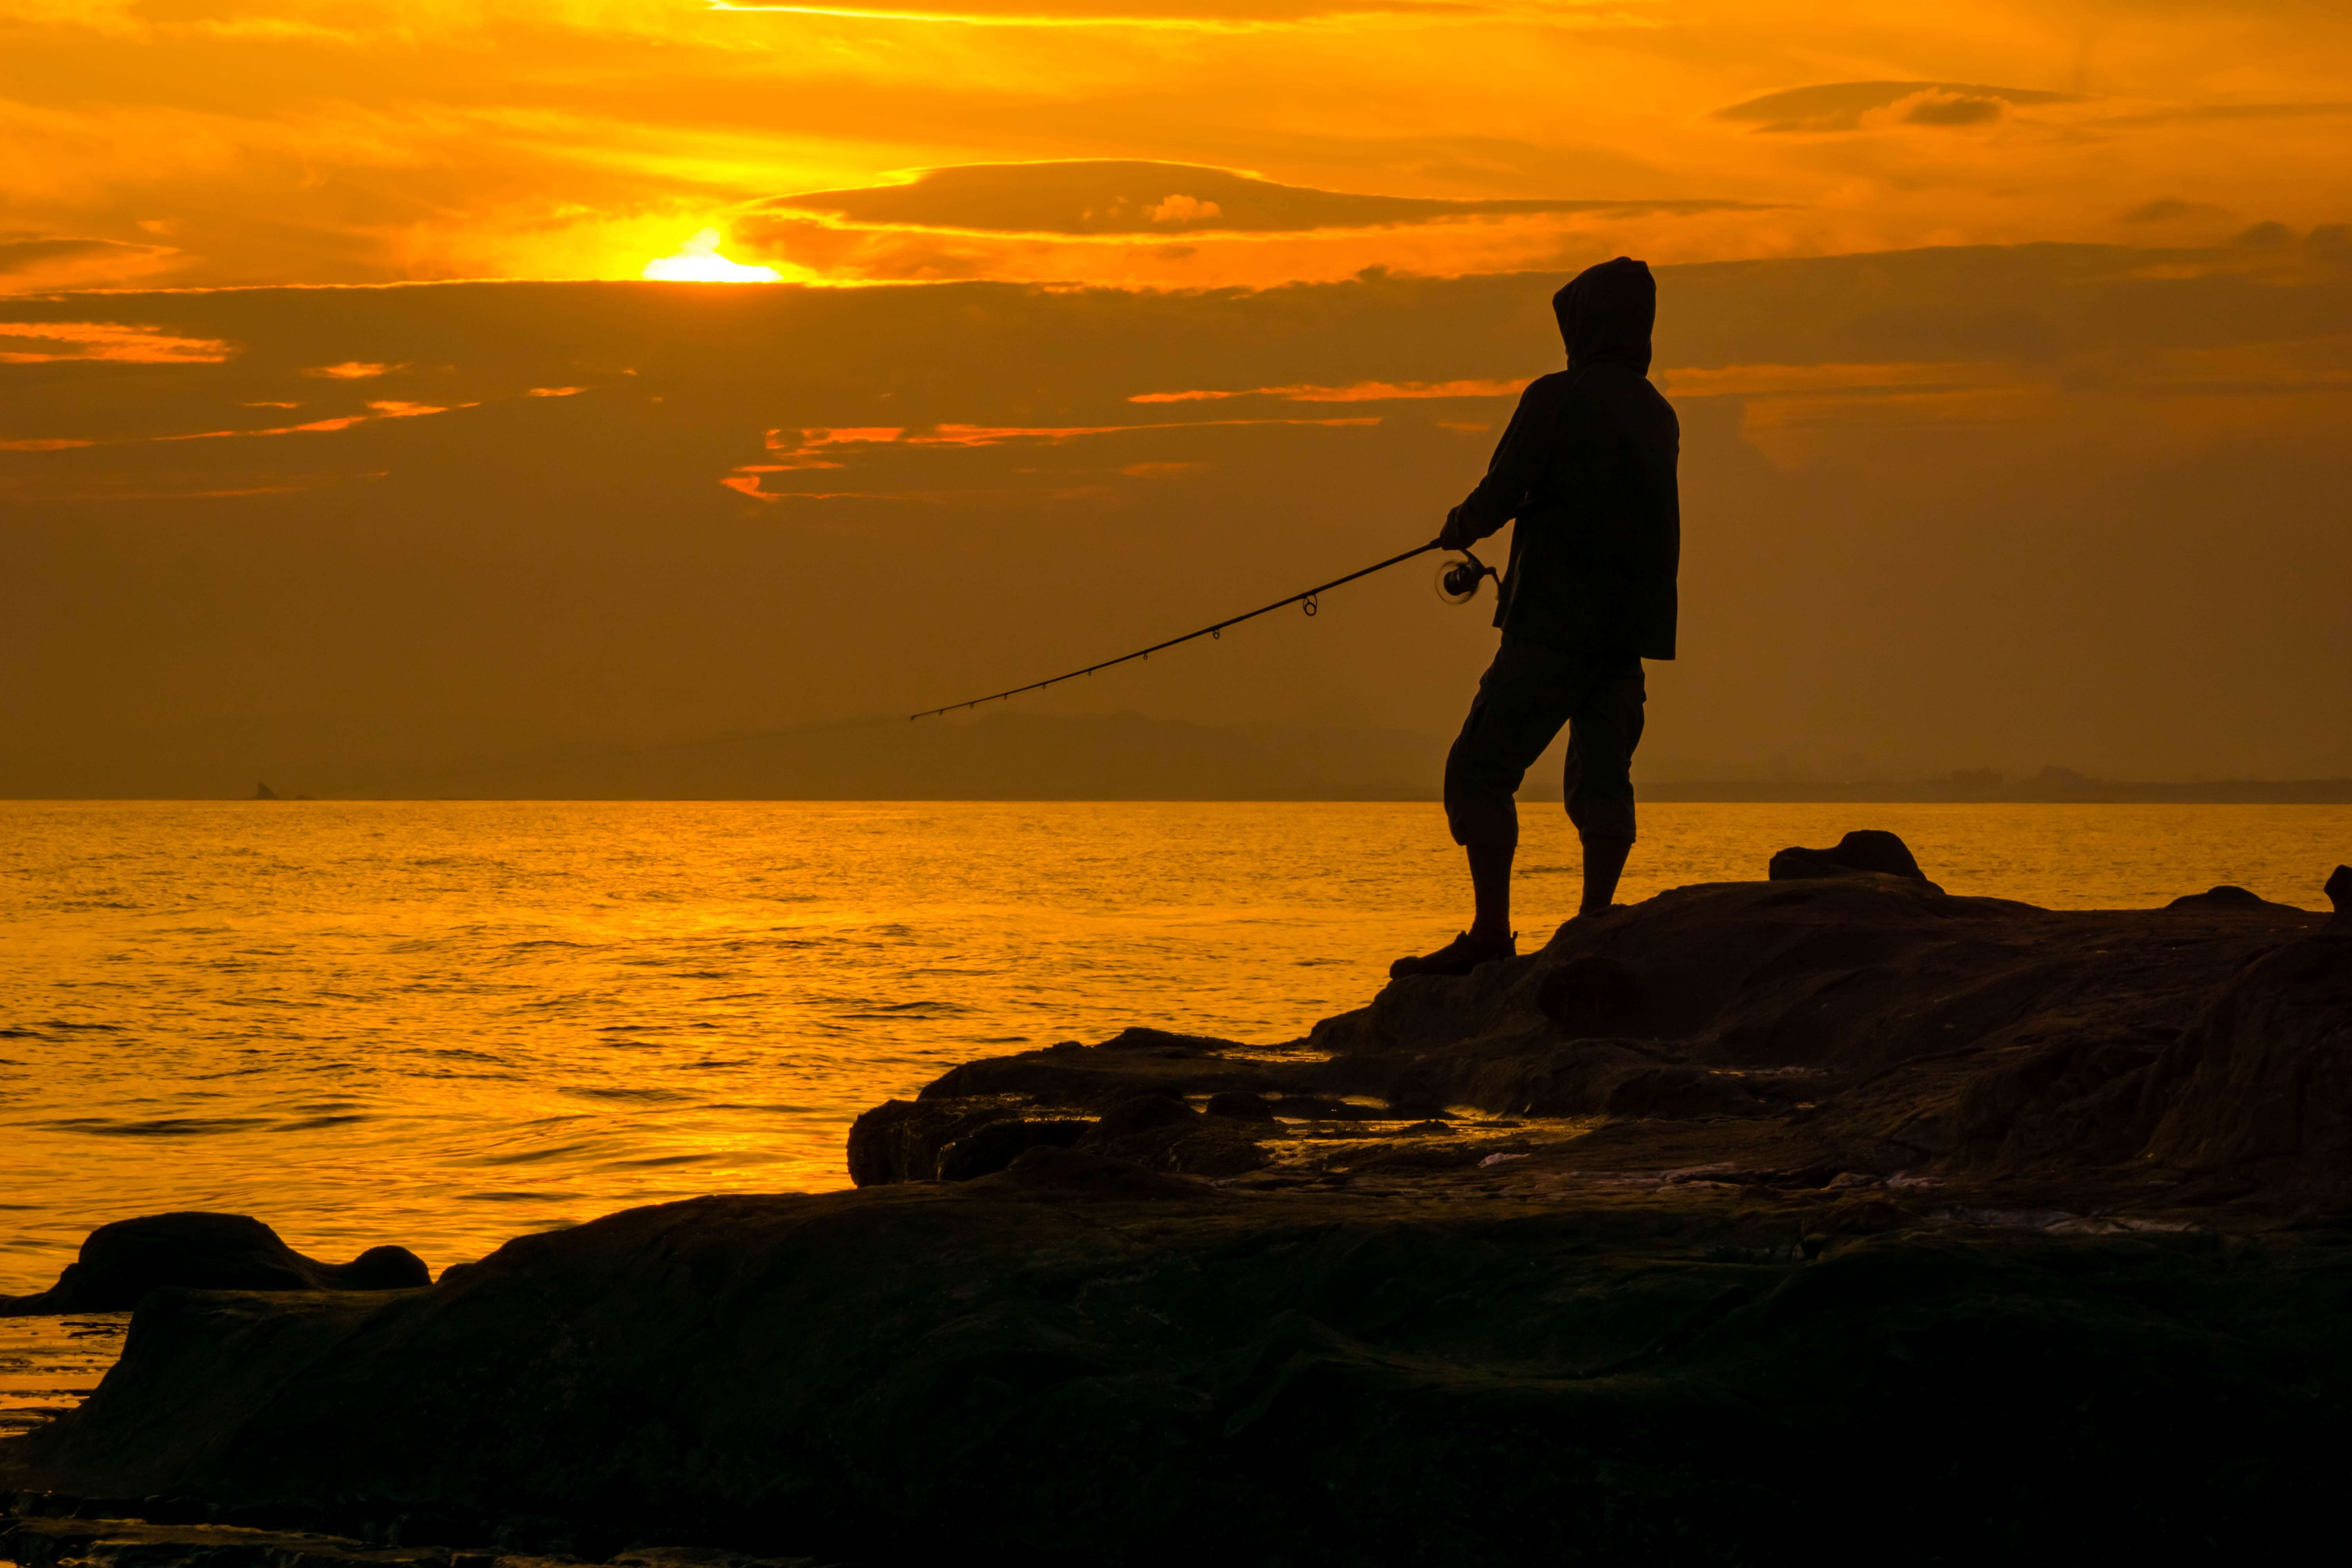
(699, 261)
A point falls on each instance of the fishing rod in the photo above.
(1457, 583)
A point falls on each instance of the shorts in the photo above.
(1525, 697)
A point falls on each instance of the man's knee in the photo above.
(1479, 811)
(1602, 817)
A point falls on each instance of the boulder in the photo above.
(1132, 1062)
(998, 1143)
(122, 1262)
(1866, 849)
(2226, 897)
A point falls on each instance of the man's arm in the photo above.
(1511, 475)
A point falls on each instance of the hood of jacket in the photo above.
(1606, 312)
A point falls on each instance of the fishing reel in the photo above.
(1458, 581)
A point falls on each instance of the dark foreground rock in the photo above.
(1829, 1216)
(1084, 1372)
(122, 1262)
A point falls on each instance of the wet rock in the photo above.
(904, 1140)
(1318, 1107)
(1143, 1113)
(996, 1145)
(2339, 894)
(122, 1262)
(1868, 849)
(1159, 1133)
(1415, 1158)
(1240, 1105)
(1083, 1173)
(1669, 1090)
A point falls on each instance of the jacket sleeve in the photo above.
(1518, 461)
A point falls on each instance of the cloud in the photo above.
(1842, 105)
(1214, 16)
(560, 139)
(2172, 209)
(122, 342)
(1357, 392)
(59, 261)
(1127, 198)
(817, 448)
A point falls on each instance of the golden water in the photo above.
(446, 1024)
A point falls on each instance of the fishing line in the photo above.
(1457, 583)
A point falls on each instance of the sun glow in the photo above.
(699, 261)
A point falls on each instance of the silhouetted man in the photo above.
(1586, 468)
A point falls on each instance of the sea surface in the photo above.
(445, 1024)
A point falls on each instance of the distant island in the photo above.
(2052, 784)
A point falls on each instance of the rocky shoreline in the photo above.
(1828, 1212)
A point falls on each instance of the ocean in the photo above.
(446, 1024)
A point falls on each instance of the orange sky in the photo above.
(329, 141)
(2012, 344)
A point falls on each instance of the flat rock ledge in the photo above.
(1829, 1213)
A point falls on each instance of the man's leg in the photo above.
(1521, 705)
(1490, 889)
(1604, 862)
(1602, 733)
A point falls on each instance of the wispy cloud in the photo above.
(1354, 392)
(826, 447)
(116, 340)
(1243, 17)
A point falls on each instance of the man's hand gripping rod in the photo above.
(1306, 597)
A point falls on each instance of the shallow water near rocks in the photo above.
(445, 1024)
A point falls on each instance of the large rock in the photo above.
(1078, 1361)
(1883, 1025)
(122, 1262)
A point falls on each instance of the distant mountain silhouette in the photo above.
(1012, 756)
(1004, 756)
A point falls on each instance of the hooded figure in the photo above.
(1587, 469)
